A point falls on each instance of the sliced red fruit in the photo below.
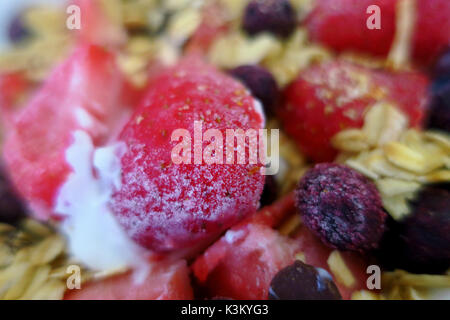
(82, 93)
(214, 23)
(274, 214)
(12, 88)
(334, 96)
(98, 26)
(165, 282)
(342, 25)
(243, 262)
(166, 206)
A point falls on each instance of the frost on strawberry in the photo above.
(82, 93)
(166, 206)
(334, 96)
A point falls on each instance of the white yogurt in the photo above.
(95, 237)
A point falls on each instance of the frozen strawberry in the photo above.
(242, 264)
(165, 282)
(82, 93)
(334, 96)
(99, 25)
(166, 204)
(342, 25)
(13, 86)
(432, 32)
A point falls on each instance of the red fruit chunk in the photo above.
(342, 25)
(98, 25)
(242, 264)
(432, 33)
(165, 282)
(12, 88)
(82, 93)
(271, 216)
(166, 206)
(334, 96)
(214, 23)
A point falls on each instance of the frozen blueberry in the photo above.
(442, 66)
(274, 16)
(421, 242)
(17, 30)
(341, 207)
(439, 113)
(261, 83)
(11, 208)
(270, 191)
(426, 231)
(300, 281)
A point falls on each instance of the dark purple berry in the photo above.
(341, 207)
(274, 16)
(303, 282)
(442, 66)
(421, 242)
(426, 231)
(270, 192)
(261, 84)
(11, 208)
(17, 30)
(439, 113)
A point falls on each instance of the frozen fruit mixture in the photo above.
(134, 139)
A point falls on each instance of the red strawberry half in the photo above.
(82, 93)
(334, 96)
(342, 25)
(166, 206)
